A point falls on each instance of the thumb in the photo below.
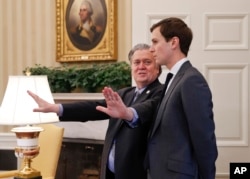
(102, 109)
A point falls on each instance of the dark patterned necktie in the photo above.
(168, 78)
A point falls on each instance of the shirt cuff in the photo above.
(60, 113)
(134, 122)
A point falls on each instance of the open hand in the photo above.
(115, 106)
(44, 106)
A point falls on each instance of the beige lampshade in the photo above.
(17, 106)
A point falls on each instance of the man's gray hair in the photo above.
(140, 46)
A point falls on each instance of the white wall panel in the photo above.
(153, 18)
(228, 83)
(226, 31)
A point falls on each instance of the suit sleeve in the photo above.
(197, 104)
(83, 111)
(86, 110)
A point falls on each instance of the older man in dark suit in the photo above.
(125, 142)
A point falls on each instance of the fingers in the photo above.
(33, 95)
(44, 106)
(102, 109)
(116, 96)
(38, 100)
(109, 94)
(37, 110)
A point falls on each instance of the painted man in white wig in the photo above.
(86, 33)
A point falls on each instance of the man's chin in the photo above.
(159, 62)
(143, 81)
(142, 78)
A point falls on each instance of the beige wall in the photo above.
(28, 33)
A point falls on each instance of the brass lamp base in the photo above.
(27, 149)
(39, 177)
(28, 172)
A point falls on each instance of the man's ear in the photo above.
(175, 41)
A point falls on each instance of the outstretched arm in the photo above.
(44, 106)
(115, 106)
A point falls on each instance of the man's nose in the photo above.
(142, 65)
(151, 49)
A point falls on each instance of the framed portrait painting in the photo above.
(86, 30)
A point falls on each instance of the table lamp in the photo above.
(17, 110)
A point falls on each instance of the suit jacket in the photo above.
(131, 143)
(182, 143)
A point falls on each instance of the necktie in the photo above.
(168, 78)
(137, 93)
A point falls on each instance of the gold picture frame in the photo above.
(74, 43)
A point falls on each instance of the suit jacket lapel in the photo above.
(161, 108)
(127, 101)
(144, 95)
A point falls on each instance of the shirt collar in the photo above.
(177, 66)
(139, 90)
